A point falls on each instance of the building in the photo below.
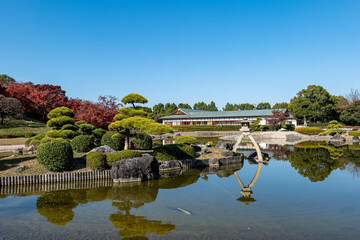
(183, 116)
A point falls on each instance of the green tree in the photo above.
(281, 105)
(205, 107)
(264, 105)
(229, 107)
(133, 98)
(351, 114)
(5, 80)
(184, 105)
(314, 104)
(129, 119)
(246, 106)
(169, 108)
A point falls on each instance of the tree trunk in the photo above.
(127, 139)
(305, 122)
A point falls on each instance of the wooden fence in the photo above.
(54, 178)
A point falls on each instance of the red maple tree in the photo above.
(278, 116)
(99, 114)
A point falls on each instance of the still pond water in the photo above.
(310, 191)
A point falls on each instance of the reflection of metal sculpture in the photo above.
(246, 190)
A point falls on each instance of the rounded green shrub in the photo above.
(59, 112)
(67, 134)
(98, 132)
(96, 161)
(174, 152)
(86, 128)
(58, 122)
(29, 134)
(55, 156)
(142, 141)
(82, 143)
(188, 140)
(113, 140)
(70, 127)
(113, 157)
(34, 139)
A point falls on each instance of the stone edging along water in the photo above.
(94, 175)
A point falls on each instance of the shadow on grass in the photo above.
(6, 164)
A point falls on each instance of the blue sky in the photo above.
(183, 51)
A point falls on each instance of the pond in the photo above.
(307, 191)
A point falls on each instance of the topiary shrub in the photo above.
(29, 134)
(55, 156)
(96, 161)
(188, 140)
(174, 152)
(80, 122)
(86, 128)
(70, 127)
(60, 111)
(113, 140)
(34, 140)
(82, 143)
(113, 157)
(142, 141)
(67, 134)
(97, 134)
(58, 122)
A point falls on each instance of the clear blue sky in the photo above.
(183, 51)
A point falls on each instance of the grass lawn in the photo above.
(12, 141)
(18, 128)
(9, 164)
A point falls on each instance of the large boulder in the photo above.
(104, 149)
(135, 169)
(338, 140)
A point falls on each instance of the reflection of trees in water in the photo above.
(313, 163)
(279, 152)
(135, 227)
(351, 158)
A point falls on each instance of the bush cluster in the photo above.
(188, 140)
(34, 140)
(309, 130)
(114, 140)
(58, 122)
(174, 152)
(55, 155)
(96, 161)
(113, 157)
(50, 139)
(29, 134)
(331, 132)
(142, 141)
(82, 143)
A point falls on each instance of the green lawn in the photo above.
(18, 128)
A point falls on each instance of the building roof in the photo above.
(181, 113)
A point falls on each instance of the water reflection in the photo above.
(246, 190)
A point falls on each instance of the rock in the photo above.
(197, 154)
(293, 137)
(19, 169)
(135, 169)
(196, 148)
(31, 148)
(224, 145)
(18, 151)
(228, 154)
(207, 144)
(104, 149)
(169, 165)
(355, 139)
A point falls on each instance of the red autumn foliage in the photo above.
(99, 114)
(37, 99)
(278, 116)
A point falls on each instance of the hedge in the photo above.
(174, 152)
(354, 133)
(96, 161)
(113, 157)
(55, 156)
(309, 130)
(68, 134)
